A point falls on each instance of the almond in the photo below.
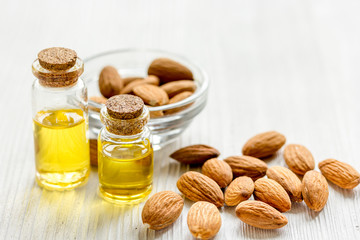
(298, 158)
(162, 209)
(177, 98)
(239, 190)
(198, 187)
(219, 171)
(272, 193)
(127, 80)
(93, 152)
(155, 114)
(176, 87)
(204, 220)
(195, 154)
(261, 215)
(247, 166)
(340, 173)
(315, 190)
(129, 88)
(110, 82)
(264, 144)
(152, 95)
(288, 180)
(169, 70)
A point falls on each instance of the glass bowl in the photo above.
(135, 63)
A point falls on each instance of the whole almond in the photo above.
(272, 193)
(162, 209)
(127, 80)
(169, 70)
(93, 152)
(110, 82)
(315, 190)
(219, 171)
(152, 95)
(198, 187)
(176, 87)
(177, 98)
(261, 215)
(288, 180)
(204, 220)
(298, 158)
(340, 173)
(239, 190)
(247, 166)
(195, 154)
(129, 88)
(264, 144)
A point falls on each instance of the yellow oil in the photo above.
(61, 148)
(125, 171)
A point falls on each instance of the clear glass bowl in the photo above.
(134, 63)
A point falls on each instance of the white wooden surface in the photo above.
(289, 65)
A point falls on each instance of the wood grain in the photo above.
(289, 66)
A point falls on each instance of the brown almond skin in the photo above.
(204, 220)
(162, 209)
(198, 187)
(239, 190)
(176, 87)
(288, 180)
(127, 80)
(247, 166)
(264, 144)
(152, 80)
(261, 215)
(156, 114)
(315, 190)
(195, 154)
(219, 171)
(298, 158)
(177, 98)
(340, 173)
(151, 95)
(93, 152)
(110, 82)
(169, 70)
(272, 193)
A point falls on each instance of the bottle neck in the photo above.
(56, 79)
(125, 127)
(144, 134)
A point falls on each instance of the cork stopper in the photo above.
(124, 115)
(124, 106)
(57, 58)
(57, 67)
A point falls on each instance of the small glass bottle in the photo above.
(125, 154)
(60, 117)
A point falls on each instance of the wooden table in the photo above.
(290, 66)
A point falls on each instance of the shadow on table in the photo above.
(346, 193)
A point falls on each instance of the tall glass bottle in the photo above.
(60, 120)
(125, 154)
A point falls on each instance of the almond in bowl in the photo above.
(173, 88)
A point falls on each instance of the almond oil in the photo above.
(125, 171)
(125, 154)
(61, 148)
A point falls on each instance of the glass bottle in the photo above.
(125, 153)
(60, 120)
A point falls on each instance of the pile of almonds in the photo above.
(235, 179)
(167, 82)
